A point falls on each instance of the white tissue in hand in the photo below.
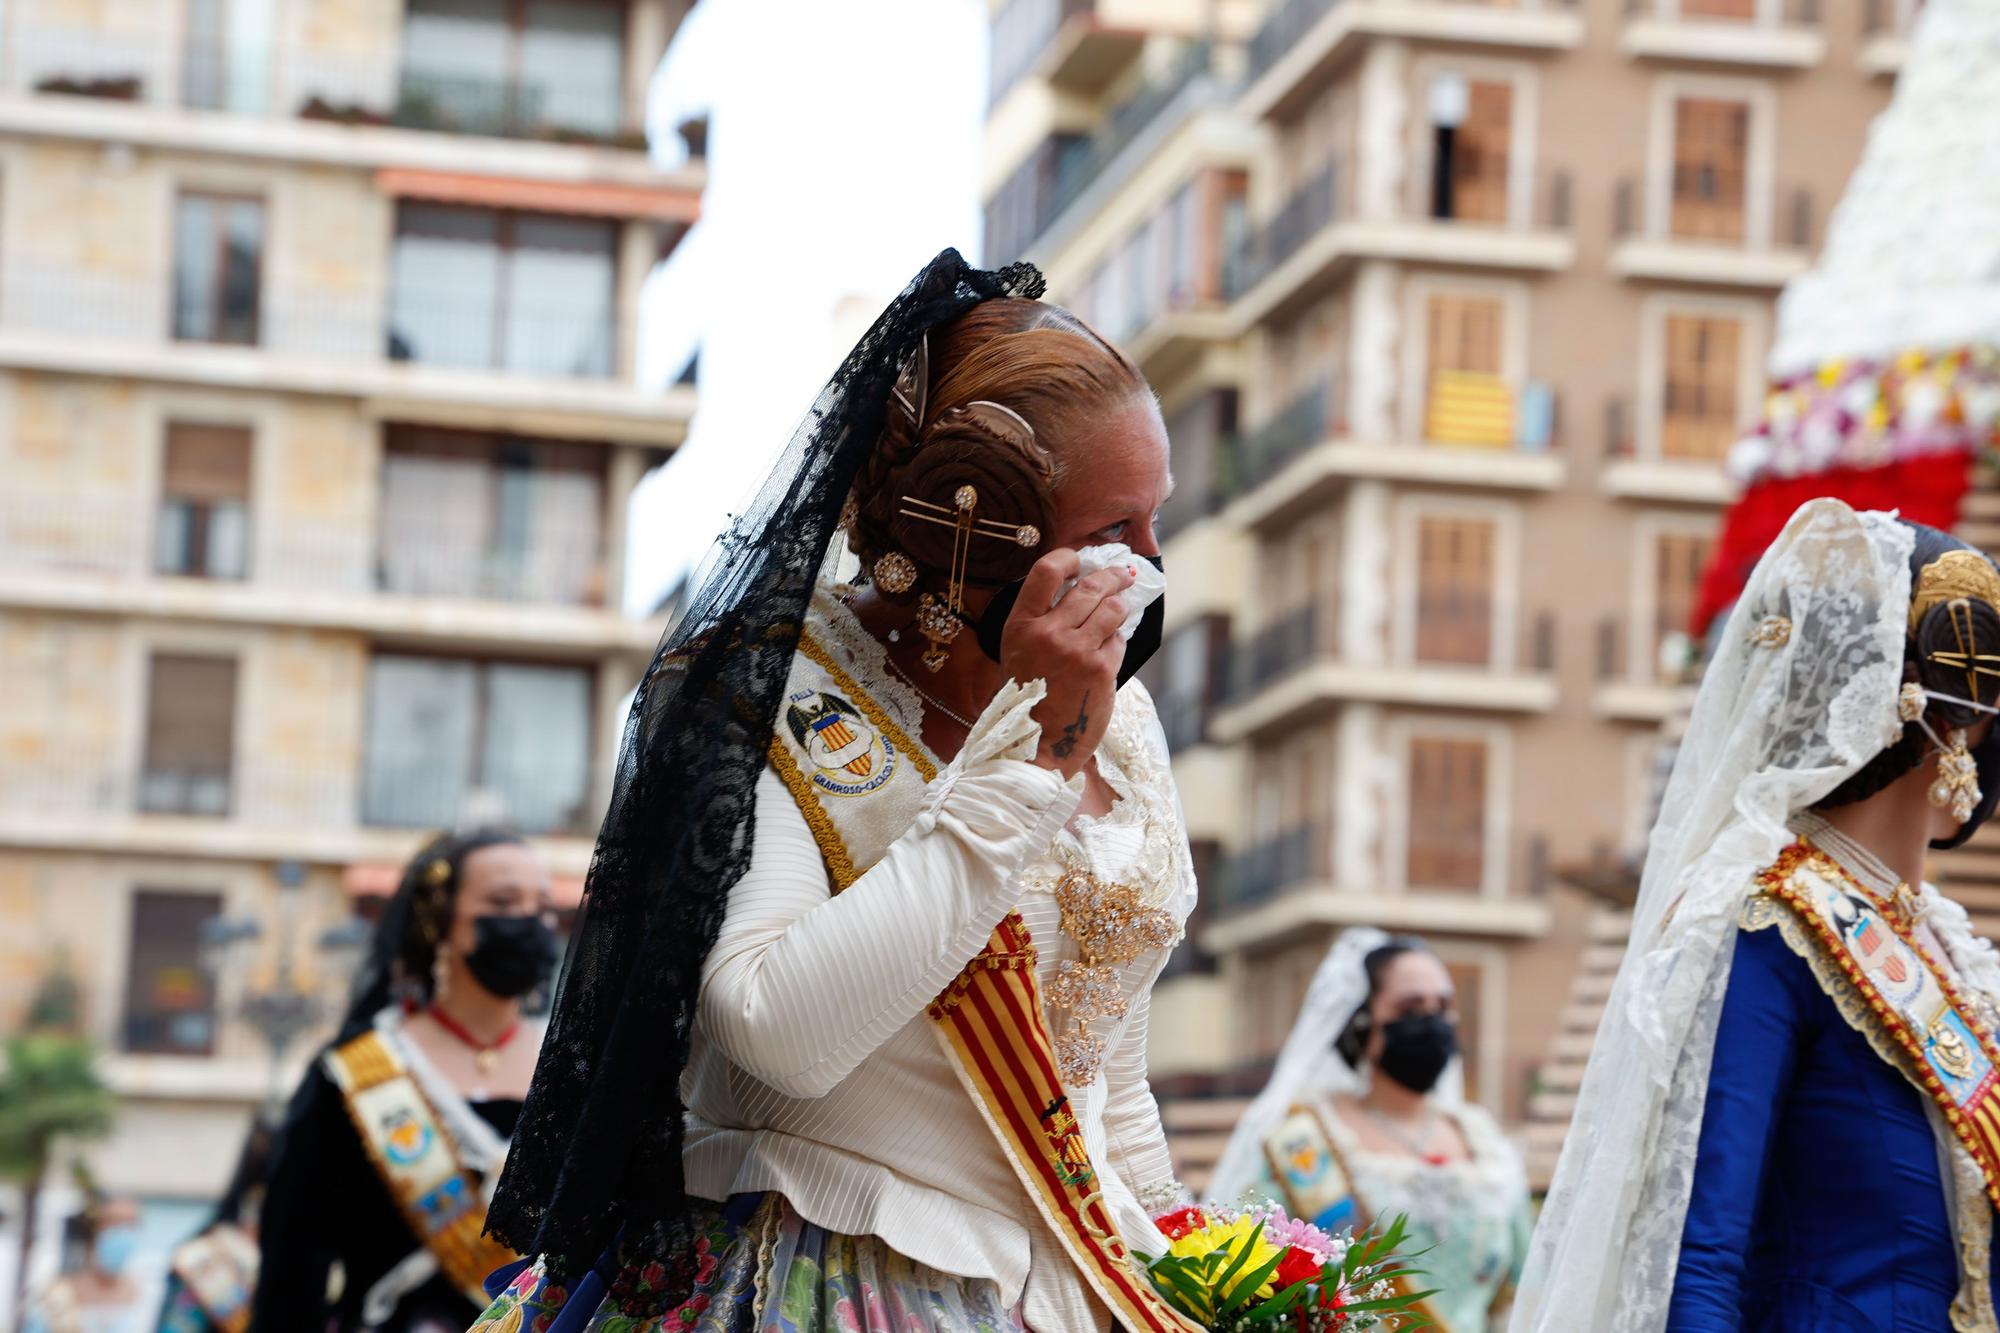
(1147, 588)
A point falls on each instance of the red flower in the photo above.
(1181, 1221)
(543, 1322)
(653, 1275)
(1297, 1266)
(553, 1297)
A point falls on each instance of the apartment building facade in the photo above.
(1454, 309)
(318, 419)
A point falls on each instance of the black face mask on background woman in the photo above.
(511, 955)
(1416, 1049)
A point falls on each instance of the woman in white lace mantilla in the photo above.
(1364, 1119)
(1788, 1122)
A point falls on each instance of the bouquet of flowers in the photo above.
(1257, 1269)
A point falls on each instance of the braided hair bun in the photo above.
(993, 401)
(1954, 623)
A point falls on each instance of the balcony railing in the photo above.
(1308, 212)
(51, 528)
(1020, 33)
(1286, 27)
(1131, 119)
(555, 333)
(534, 797)
(1282, 647)
(1254, 458)
(1184, 719)
(1793, 216)
(355, 87)
(1266, 871)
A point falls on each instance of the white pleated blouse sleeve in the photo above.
(802, 986)
(1132, 1128)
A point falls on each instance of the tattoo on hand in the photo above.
(1072, 733)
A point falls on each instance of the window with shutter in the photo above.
(1699, 410)
(1465, 979)
(1479, 154)
(169, 995)
(1447, 814)
(449, 741)
(1679, 560)
(190, 735)
(203, 524)
(1711, 164)
(1455, 574)
(218, 267)
(1466, 397)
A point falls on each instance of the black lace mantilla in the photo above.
(599, 1142)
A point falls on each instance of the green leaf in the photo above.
(1242, 1256)
(1246, 1288)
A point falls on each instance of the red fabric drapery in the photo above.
(1928, 490)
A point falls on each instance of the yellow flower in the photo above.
(1230, 1238)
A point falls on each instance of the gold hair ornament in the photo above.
(939, 619)
(1954, 575)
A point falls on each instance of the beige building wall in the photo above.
(1585, 292)
(100, 133)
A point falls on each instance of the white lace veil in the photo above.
(1799, 694)
(1308, 1065)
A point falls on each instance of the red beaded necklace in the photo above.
(485, 1055)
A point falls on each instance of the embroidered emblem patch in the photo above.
(849, 757)
(1066, 1148)
(1304, 1162)
(404, 1137)
(443, 1205)
(1954, 1052)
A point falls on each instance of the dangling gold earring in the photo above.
(1957, 785)
(440, 976)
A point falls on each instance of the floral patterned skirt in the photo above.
(760, 1268)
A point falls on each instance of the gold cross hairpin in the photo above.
(967, 499)
(1965, 659)
(939, 621)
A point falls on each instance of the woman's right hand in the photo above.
(1074, 647)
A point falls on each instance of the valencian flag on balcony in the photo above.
(1470, 407)
(1885, 376)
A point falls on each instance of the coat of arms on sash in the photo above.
(850, 758)
(1072, 1159)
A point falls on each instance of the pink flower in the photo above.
(1290, 1232)
(653, 1275)
(524, 1281)
(706, 1269)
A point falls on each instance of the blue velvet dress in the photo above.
(1818, 1204)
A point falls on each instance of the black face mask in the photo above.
(1986, 754)
(1139, 649)
(512, 954)
(1416, 1049)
